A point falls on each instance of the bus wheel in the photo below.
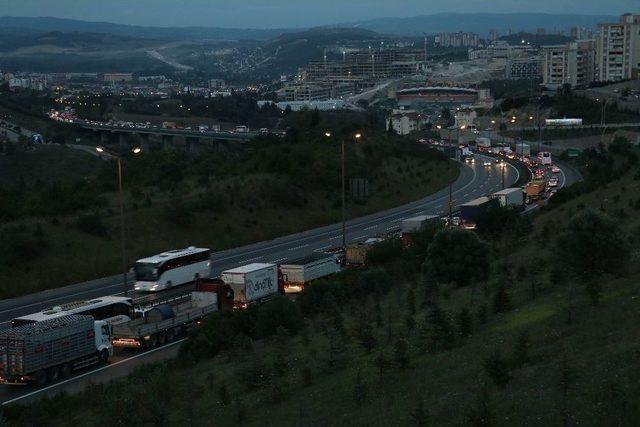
(169, 284)
(65, 370)
(40, 377)
(53, 374)
(170, 335)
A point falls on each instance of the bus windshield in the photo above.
(146, 271)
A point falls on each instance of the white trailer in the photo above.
(483, 142)
(297, 274)
(523, 149)
(510, 197)
(252, 282)
(417, 223)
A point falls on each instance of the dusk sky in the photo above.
(289, 13)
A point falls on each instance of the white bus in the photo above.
(545, 158)
(562, 122)
(172, 268)
(102, 308)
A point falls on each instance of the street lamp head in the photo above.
(530, 117)
(100, 149)
(357, 136)
(439, 126)
(463, 127)
(137, 150)
(327, 134)
(493, 122)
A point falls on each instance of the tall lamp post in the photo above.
(356, 137)
(458, 129)
(136, 150)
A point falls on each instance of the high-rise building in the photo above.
(523, 68)
(572, 63)
(618, 49)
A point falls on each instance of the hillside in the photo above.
(503, 333)
(480, 23)
(46, 24)
(219, 198)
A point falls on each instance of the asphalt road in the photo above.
(474, 181)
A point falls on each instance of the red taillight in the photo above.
(91, 334)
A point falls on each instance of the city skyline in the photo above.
(292, 14)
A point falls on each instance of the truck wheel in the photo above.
(169, 284)
(103, 357)
(170, 335)
(40, 377)
(162, 338)
(152, 341)
(53, 374)
(65, 370)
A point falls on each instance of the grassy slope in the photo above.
(150, 230)
(601, 346)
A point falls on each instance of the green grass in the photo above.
(151, 227)
(599, 349)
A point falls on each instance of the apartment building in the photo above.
(571, 63)
(618, 49)
(523, 68)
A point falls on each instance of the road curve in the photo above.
(474, 181)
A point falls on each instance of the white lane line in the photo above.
(279, 260)
(372, 227)
(295, 248)
(360, 237)
(334, 237)
(7, 402)
(323, 248)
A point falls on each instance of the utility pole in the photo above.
(344, 226)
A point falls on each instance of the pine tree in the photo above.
(521, 350)
(440, 333)
(501, 300)
(464, 322)
(497, 369)
(419, 415)
(360, 389)
(401, 353)
(223, 395)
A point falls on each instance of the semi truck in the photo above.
(535, 189)
(252, 283)
(483, 143)
(297, 274)
(510, 197)
(163, 323)
(52, 349)
(471, 211)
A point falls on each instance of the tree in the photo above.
(223, 395)
(419, 415)
(360, 389)
(482, 415)
(501, 299)
(401, 353)
(497, 369)
(464, 322)
(439, 333)
(521, 350)
(458, 256)
(591, 246)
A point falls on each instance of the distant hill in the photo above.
(25, 24)
(480, 23)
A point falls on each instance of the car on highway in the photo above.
(553, 182)
(469, 159)
(487, 163)
(555, 169)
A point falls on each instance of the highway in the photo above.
(475, 180)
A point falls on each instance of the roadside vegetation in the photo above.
(58, 206)
(529, 321)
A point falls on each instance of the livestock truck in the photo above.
(52, 349)
(252, 283)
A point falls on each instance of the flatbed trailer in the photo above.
(143, 333)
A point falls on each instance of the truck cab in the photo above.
(102, 334)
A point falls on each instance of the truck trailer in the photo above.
(471, 211)
(252, 283)
(52, 349)
(297, 274)
(164, 323)
(510, 197)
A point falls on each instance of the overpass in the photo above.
(190, 136)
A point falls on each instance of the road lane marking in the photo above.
(84, 374)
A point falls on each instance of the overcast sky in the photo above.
(288, 13)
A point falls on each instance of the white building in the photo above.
(403, 122)
(572, 63)
(618, 49)
(465, 117)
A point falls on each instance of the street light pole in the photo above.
(123, 246)
(344, 220)
(122, 233)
